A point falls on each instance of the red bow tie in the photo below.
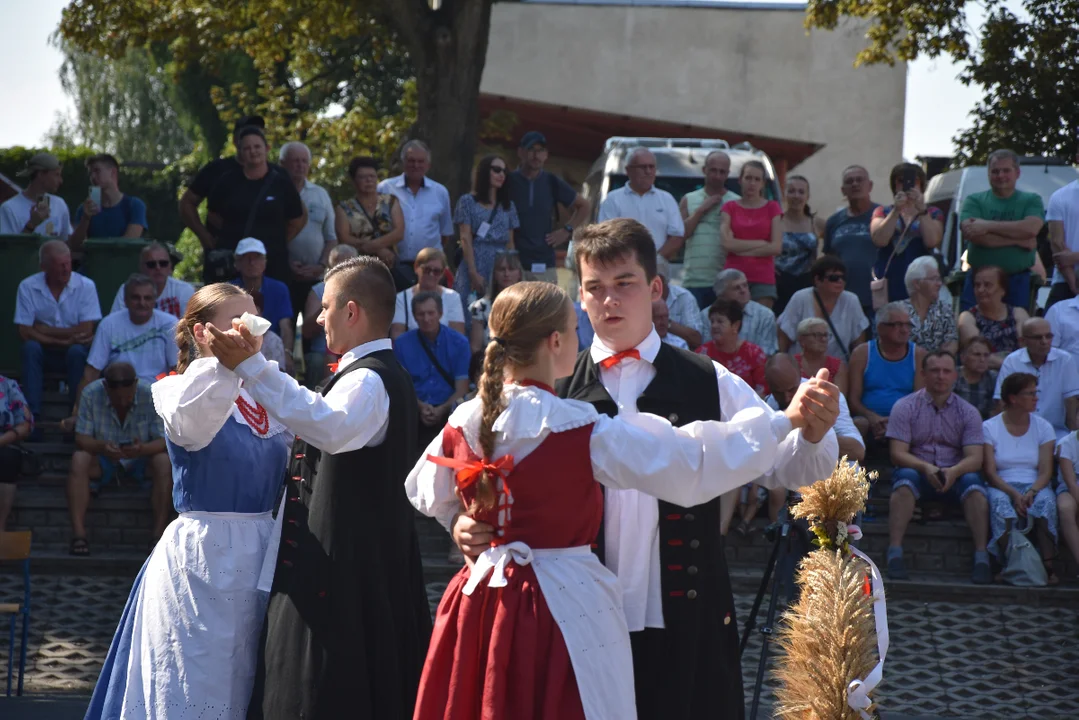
(613, 360)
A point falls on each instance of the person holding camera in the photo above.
(107, 212)
(905, 230)
(38, 210)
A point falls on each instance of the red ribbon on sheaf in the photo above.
(469, 471)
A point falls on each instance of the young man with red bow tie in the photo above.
(669, 559)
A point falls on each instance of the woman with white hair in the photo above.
(934, 324)
(813, 337)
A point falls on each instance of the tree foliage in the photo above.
(1027, 63)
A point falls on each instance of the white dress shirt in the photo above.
(632, 518)
(656, 210)
(427, 215)
(1058, 379)
(1063, 319)
(355, 413)
(78, 302)
(1064, 208)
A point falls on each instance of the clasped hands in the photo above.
(815, 407)
(232, 347)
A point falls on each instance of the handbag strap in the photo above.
(258, 199)
(895, 249)
(434, 361)
(828, 319)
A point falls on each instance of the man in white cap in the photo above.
(276, 304)
(37, 209)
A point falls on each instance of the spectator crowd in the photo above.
(974, 406)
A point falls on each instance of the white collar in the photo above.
(1054, 354)
(530, 412)
(362, 351)
(631, 191)
(648, 348)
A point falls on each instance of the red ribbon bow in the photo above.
(469, 471)
(608, 363)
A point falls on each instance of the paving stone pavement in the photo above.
(1003, 662)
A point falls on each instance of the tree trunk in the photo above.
(449, 49)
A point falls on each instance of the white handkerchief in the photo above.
(257, 325)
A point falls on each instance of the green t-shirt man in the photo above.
(988, 206)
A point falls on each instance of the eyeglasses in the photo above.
(433, 271)
(1047, 337)
(497, 170)
(151, 264)
(835, 277)
(116, 384)
(899, 324)
(817, 335)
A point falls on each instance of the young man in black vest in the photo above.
(348, 622)
(676, 590)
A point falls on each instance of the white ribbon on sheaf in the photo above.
(493, 561)
(858, 690)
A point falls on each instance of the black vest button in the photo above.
(691, 595)
(694, 543)
(690, 517)
(692, 569)
(673, 418)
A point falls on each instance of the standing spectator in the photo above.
(55, 312)
(1000, 227)
(425, 205)
(485, 219)
(905, 230)
(803, 238)
(977, 383)
(372, 222)
(758, 322)
(991, 317)
(172, 293)
(537, 194)
(684, 317)
(1056, 371)
(741, 357)
(437, 359)
(661, 319)
(308, 252)
(1067, 493)
(507, 271)
(118, 431)
(249, 198)
(934, 322)
(936, 440)
(118, 215)
(251, 266)
(828, 300)
(430, 266)
(642, 201)
(38, 209)
(752, 234)
(1063, 319)
(313, 335)
(1063, 218)
(700, 209)
(1019, 468)
(884, 370)
(16, 422)
(847, 234)
(813, 338)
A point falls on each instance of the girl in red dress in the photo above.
(535, 627)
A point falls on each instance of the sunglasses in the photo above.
(151, 264)
(835, 277)
(116, 384)
(497, 170)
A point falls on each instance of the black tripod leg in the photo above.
(751, 621)
(769, 621)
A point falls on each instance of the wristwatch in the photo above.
(568, 228)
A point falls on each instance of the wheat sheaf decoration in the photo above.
(835, 638)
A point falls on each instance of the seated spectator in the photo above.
(934, 324)
(977, 383)
(118, 432)
(904, 231)
(315, 360)
(437, 359)
(990, 317)
(38, 210)
(507, 271)
(883, 371)
(827, 300)
(55, 312)
(429, 268)
(1063, 319)
(758, 322)
(1019, 468)
(272, 347)
(172, 293)
(16, 422)
(1057, 373)
(118, 215)
(661, 320)
(682, 313)
(813, 337)
(741, 357)
(251, 266)
(1067, 493)
(936, 446)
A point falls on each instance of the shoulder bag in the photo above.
(438, 366)
(878, 287)
(828, 318)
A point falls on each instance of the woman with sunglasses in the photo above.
(430, 266)
(486, 219)
(829, 300)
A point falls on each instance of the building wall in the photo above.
(751, 70)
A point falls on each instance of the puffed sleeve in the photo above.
(195, 405)
(687, 465)
(430, 487)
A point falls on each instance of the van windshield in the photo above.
(680, 185)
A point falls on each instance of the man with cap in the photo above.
(37, 209)
(277, 307)
(537, 194)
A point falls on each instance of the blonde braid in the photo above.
(185, 343)
(490, 393)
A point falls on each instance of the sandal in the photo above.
(79, 547)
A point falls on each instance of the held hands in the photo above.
(914, 197)
(233, 346)
(112, 451)
(815, 407)
(133, 450)
(471, 536)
